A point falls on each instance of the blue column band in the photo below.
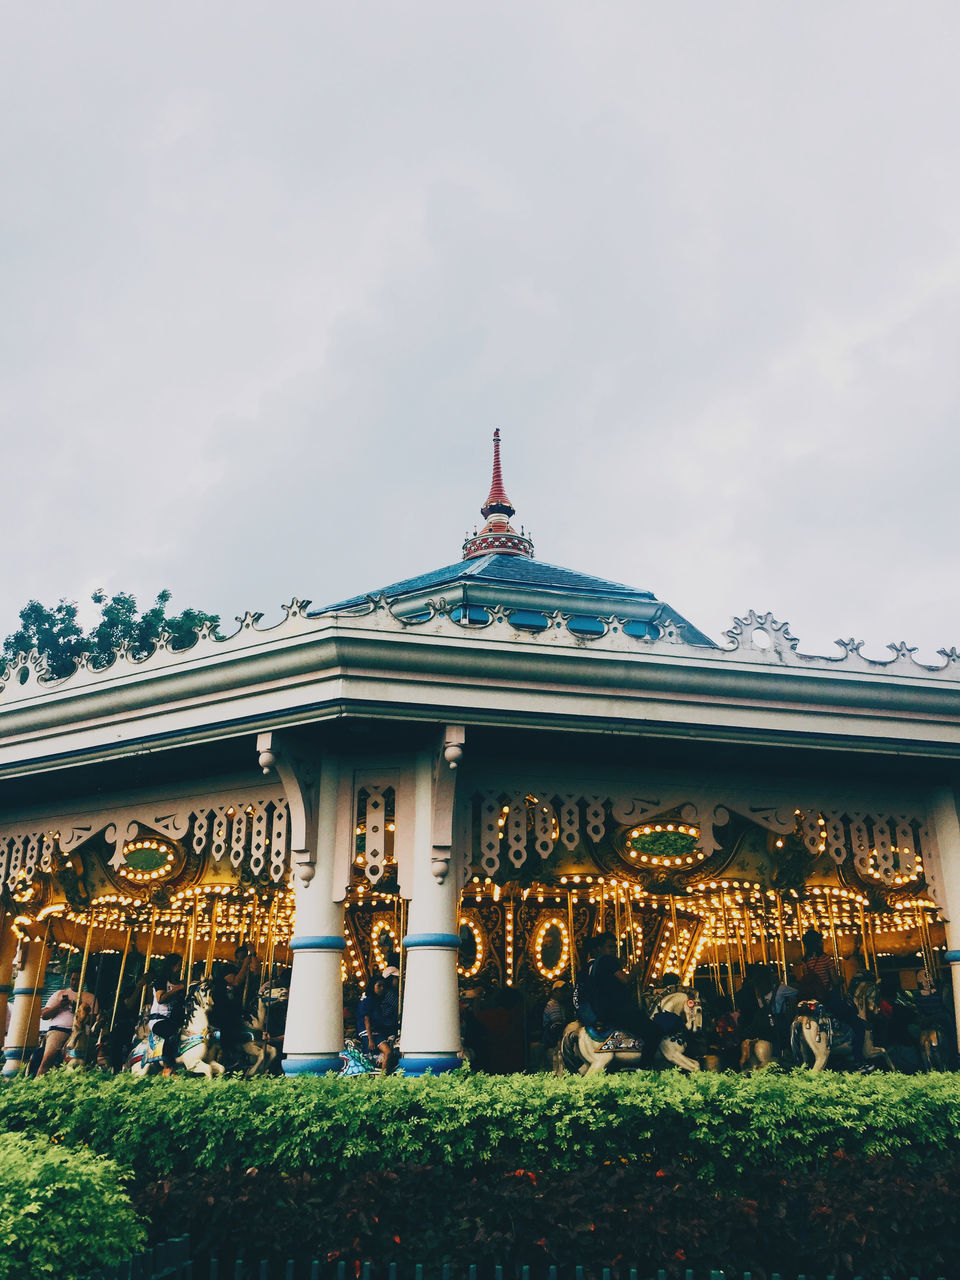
(16, 1053)
(952, 957)
(298, 1065)
(445, 941)
(26, 991)
(5, 988)
(318, 942)
(416, 1064)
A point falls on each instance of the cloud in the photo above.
(272, 279)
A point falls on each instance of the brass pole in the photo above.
(33, 999)
(833, 936)
(740, 947)
(212, 940)
(726, 942)
(271, 937)
(865, 942)
(717, 977)
(783, 936)
(872, 932)
(573, 939)
(631, 940)
(934, 958)
(616, 915)
(764, 942)
(748, 933)
(123, 965)
(602, 912)
(193, 939)
(86, 955)
(149, 955)
(924, 940)
(676, 933)
(185, 929)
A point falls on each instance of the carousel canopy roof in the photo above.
(498, 568)
(532, 587)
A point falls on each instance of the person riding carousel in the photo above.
(602, 998)
(755, 1021)
(166, 1011)
(60, 1009)
(818, 981)
(228, 1006)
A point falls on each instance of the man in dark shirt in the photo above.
(603, 991)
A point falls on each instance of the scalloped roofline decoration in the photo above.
(756, 639)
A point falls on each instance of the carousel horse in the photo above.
(253, 1046)
(931, 1059)
(82, 1041)
(145, 1056)
(586, 1051)
(816, 1035)
(196, 1045)
(677, 1015)
(755, 1055)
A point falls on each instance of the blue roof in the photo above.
(528, 586)
(514, 571)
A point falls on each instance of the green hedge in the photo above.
(722, 1122)
(63, 1211)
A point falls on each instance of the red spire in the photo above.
(497, 499)
(498, 536)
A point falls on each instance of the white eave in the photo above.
(374, 664)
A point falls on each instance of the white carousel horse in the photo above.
(815, 1035)
(683, 1007)
(583, 1053)
(196, 1047)
(82, 1041)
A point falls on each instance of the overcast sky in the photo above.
(271, 275)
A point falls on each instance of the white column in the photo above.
(27, 1003)
(946, 825)
(314, 1032)
(430, 1029)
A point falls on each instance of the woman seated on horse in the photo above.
(166, 1011)
(755, 1016)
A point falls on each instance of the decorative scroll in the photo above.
(517, 831)
(238, 837)
(490, 835)
(570, 822)
(514, 825)
(374, 810)
(212, 827)
(278, 842)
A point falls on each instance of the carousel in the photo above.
(704, 910)
(468, 775)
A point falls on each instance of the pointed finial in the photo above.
(497, 499)
(497, 537)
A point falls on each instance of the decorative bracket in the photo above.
(444, 794)
(300, 774)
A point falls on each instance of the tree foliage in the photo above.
(58, 637)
